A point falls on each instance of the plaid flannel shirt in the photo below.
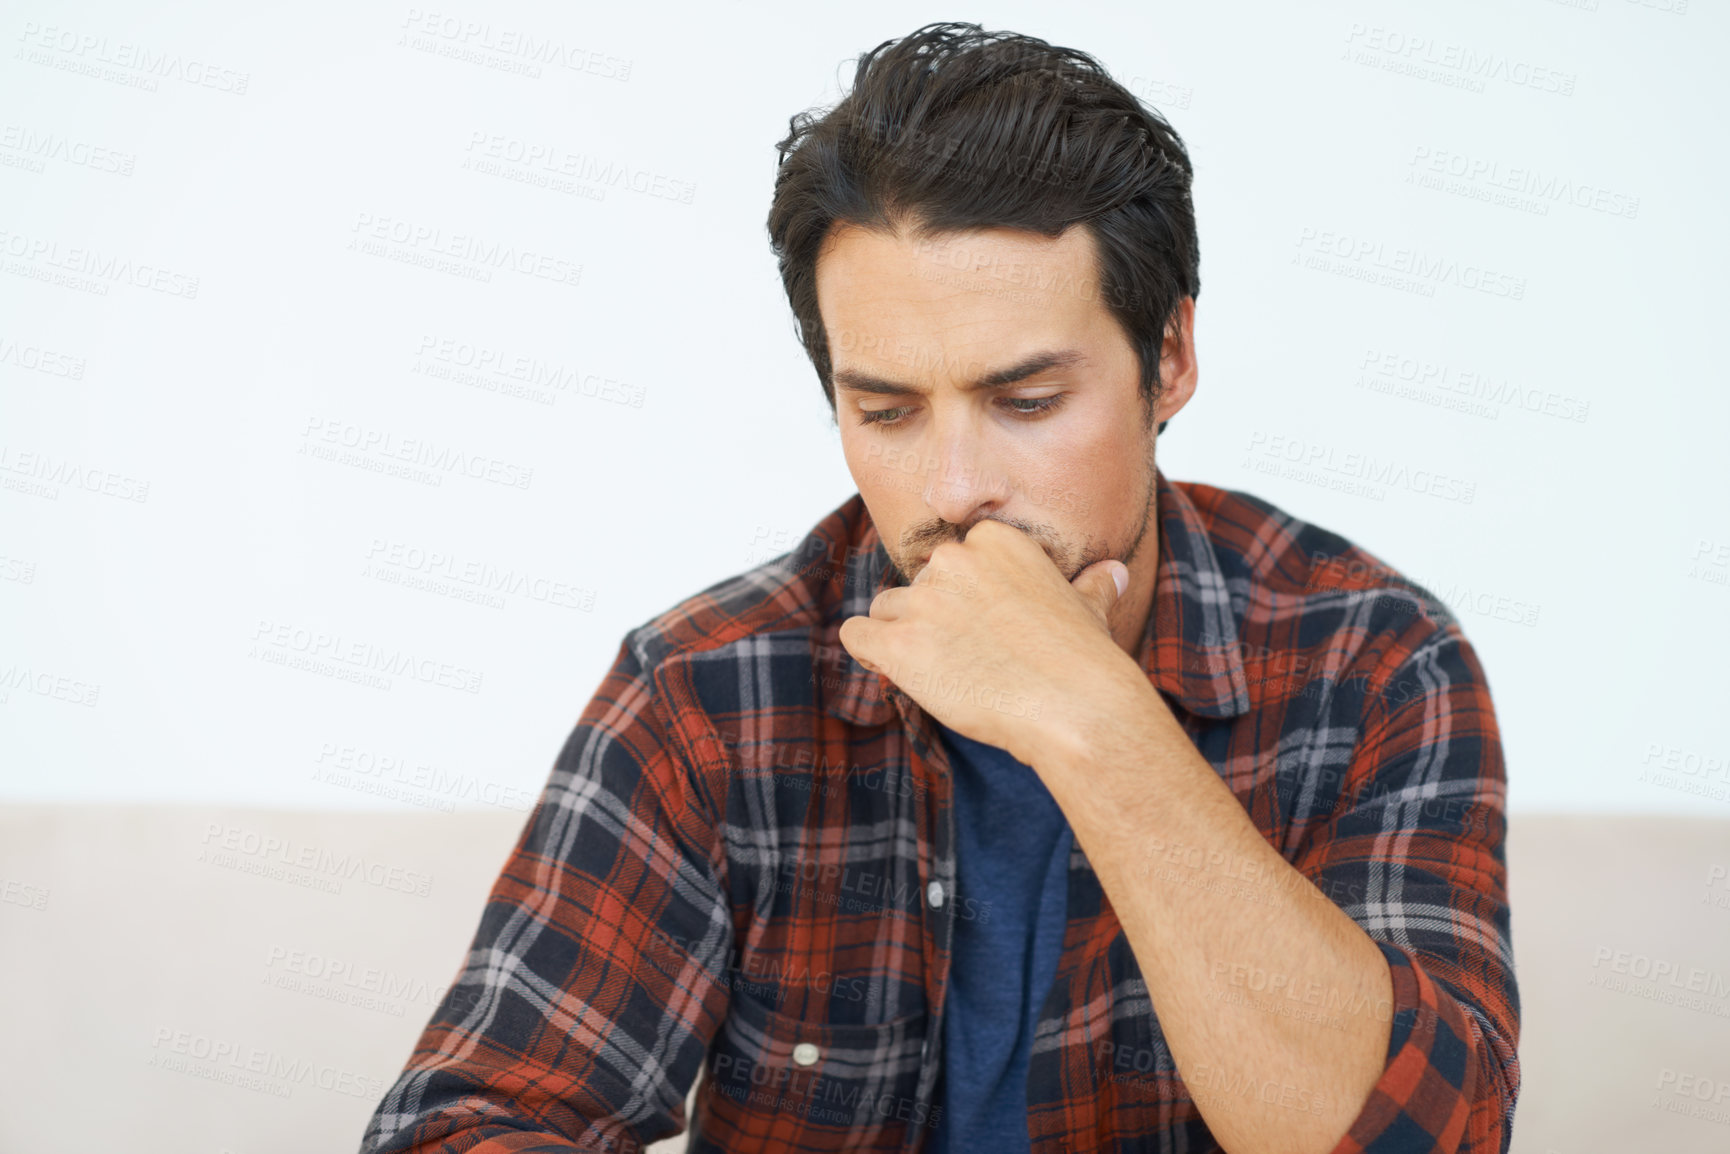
(742, 865)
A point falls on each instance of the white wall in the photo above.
(242, 148)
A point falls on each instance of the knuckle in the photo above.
(949, 551)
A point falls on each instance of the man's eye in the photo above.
(1038, 406)
(879, 416)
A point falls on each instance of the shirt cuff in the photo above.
(1442, 1090)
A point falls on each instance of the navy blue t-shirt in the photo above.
(1012, 848)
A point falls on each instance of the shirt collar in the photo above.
(1189, 650)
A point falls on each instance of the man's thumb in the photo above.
(1105, 580)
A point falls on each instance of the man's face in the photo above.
(1063, 452)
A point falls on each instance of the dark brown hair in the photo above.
(953, 128)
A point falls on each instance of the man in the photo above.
(1034, 801)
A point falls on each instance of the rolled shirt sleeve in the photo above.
(1413, 852)
(596, 980)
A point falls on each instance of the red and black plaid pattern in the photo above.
(742, 869)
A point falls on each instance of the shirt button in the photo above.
(934, 893)
(805, 1054)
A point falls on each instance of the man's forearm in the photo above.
(1275, 1004)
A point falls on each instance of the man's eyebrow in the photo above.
(859, 381)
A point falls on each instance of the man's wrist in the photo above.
(1110, 727)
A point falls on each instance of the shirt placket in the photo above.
(935, 834)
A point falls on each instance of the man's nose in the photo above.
(960, 481)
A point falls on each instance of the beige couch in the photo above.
(132, 940)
